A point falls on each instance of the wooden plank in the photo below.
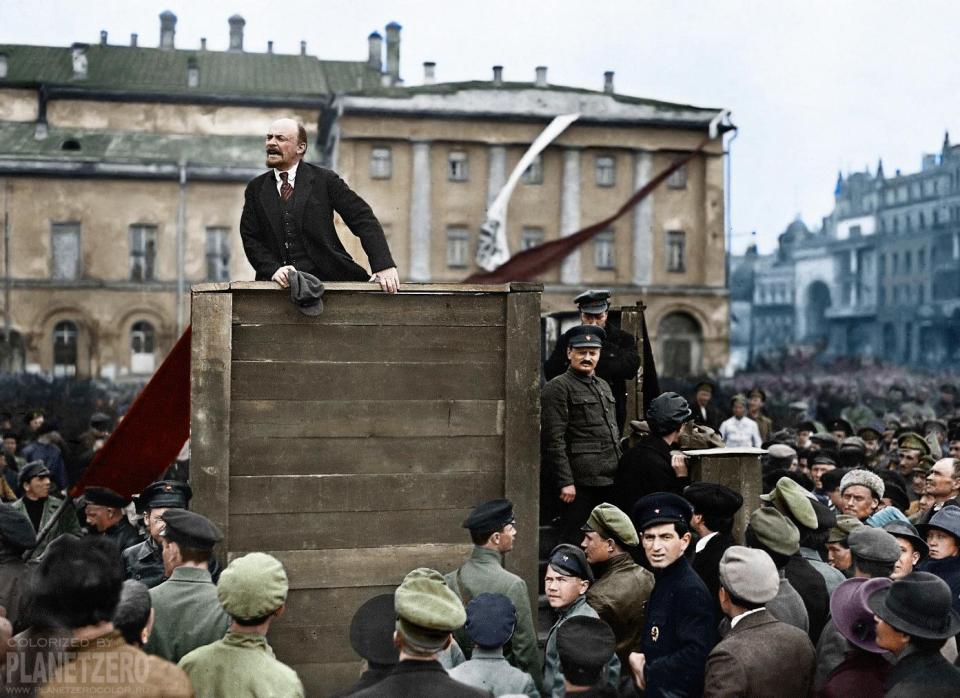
(276, 494)
(407, 288)
(290, 380)
(299, 644)
(312, 418)
(317, 456)
(329, 678)
(350, 529)
(210, 408)
(467, 310)
(367, 567)
(521, 464)
(326, 607)
(321, 342)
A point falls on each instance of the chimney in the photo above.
(269, 47)
(393, 52)
(498, 75)
(79, 58)
(236, 32)
(133, 40)
(303, 48)
(193, 72)
(103, 37)
(608, 82)
(168, 27)
(429, 72)
(375, 44)
(541, 80)
(203, 43)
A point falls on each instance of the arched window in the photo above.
(142, 342)
(65, 349)
(681, 345)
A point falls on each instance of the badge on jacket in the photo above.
(654, 633)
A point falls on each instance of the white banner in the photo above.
(492, 248)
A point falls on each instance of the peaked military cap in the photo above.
(854, 443)
(705, 385)
(16, 529)
(253, 585)
(593, 302)
(840, 424)
(870, 432)
(924, 464)
(490, 516)
(372, 628)
(105, 497)
(660, 508)
(31, 470)
(164, 494)
(586, 336)
(189, 529)
(775, 531)
(570, 560)
(824, 440)
(823, 459)
(584, 645)
(846, 524)
(874, 544)
(757, 392)
(427, 609)
(913, 441)
(713, 499)
(611, 522)
(101, 421)
(491, 619)
(792, 500)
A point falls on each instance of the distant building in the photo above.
(122, 170)
(880, 279)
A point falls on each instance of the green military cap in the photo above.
(913, 440)
(926, 462)
(610, 522)
(774, 531)
(845, 525)
(790, 499)
(252, 586)
(427, 609)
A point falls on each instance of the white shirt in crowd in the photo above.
(740, 432)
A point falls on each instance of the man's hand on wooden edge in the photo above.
(280, 276)
(388, 279)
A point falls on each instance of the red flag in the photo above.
(149, 437)
(526, 265)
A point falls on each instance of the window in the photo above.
(65, 349)
(921, 260)
(381, 163)
(678, 180)
(882, 264)
(534, 172)
(458, 166)
(896, 263)
(603, 256)
(676, 251)
(65, 243)
(907, 262)
(458, 247)
(606, 171)
(141, 347)
(531, 237)
(855, 231)
(143, 252)
(218, 254)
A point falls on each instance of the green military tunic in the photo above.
(620, 599)
(483, 573)
(67, 523)
(241, 665)
(188, 614)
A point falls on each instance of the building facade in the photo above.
(122, 170)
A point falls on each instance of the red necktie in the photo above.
(286, 189)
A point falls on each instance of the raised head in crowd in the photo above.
(105, 515)
(38, 505)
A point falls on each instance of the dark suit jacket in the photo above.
(706, 563)
(813, 590)
(761, 657)
(412, 679)
(922, 674)
(317, 194)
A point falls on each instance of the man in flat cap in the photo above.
(493, 530)
(619, 360)
(751, 659)
(777, 536)
(756, 399)
(585, 646)
(680, 629)
(253, 591)
(38, 505)
(144, 561)
(567, 579)
(838, 551)
(580, 440)
(491, 619)
(622, 587)
(861, 492)
(714, 508)
(427, 613)
(705, 413)
(188, 610)
(105, 516)
(16, 536)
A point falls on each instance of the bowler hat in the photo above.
(907, 531)
(851, 614)
(919, 605)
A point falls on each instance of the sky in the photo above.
(814, 86)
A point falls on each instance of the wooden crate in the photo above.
(352, 445)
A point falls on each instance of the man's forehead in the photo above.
(285, 127)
